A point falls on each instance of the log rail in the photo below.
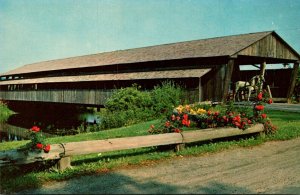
(63, 151)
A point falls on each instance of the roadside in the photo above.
(272, 167)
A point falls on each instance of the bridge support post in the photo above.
(227, 79)
(292, 82)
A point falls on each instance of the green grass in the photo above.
(17, 178)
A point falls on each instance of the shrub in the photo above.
(166, 96)
(130, 105)
(129, 98)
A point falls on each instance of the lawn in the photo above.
(14, 179)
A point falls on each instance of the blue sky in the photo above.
(39, 30)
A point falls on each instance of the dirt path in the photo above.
(273, 167)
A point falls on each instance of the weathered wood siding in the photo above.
(270, 46)
(74, 96)
(86, 96)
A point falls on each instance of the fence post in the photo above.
(63, 163)
(179, 147)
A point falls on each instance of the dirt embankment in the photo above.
(273, 167)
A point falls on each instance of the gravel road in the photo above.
(273, 167)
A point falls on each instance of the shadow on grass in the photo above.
(15, 177)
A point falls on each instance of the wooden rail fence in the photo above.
(63, 151)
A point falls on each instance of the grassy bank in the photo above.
(15, 179)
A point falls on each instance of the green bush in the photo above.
(131, 105)
(166, 96)
(129, 98)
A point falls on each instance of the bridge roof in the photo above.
(166, 74)
(203, 48)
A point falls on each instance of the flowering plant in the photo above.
(209, 116)
(175, 123)
(37, 140)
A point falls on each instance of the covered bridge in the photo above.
(206, 67)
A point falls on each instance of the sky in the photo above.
(40, 30)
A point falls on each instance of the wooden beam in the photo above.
(96, 146)
(200, 90)
(227, 80)
(292, 82)
(64, 151)
(263, 68)
(262, 73)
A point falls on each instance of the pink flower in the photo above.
(47, 148)
(35, 129)
(173, 117)
(168, 124)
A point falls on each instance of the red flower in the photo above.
(35, 129)
(186, 122)
(168, 124)
(185, 117)
(177, 130)
(208, 113)
(237, 124)
(263, 115)
(259, 96)
(39, 146)
(249, 121)
(47, 148)
(259, 107)
(237, 119)
(270, 101)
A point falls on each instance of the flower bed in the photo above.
(205, 115)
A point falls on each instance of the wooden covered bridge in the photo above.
(207, 68)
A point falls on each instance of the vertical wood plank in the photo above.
(292, 82)
(228, 75)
